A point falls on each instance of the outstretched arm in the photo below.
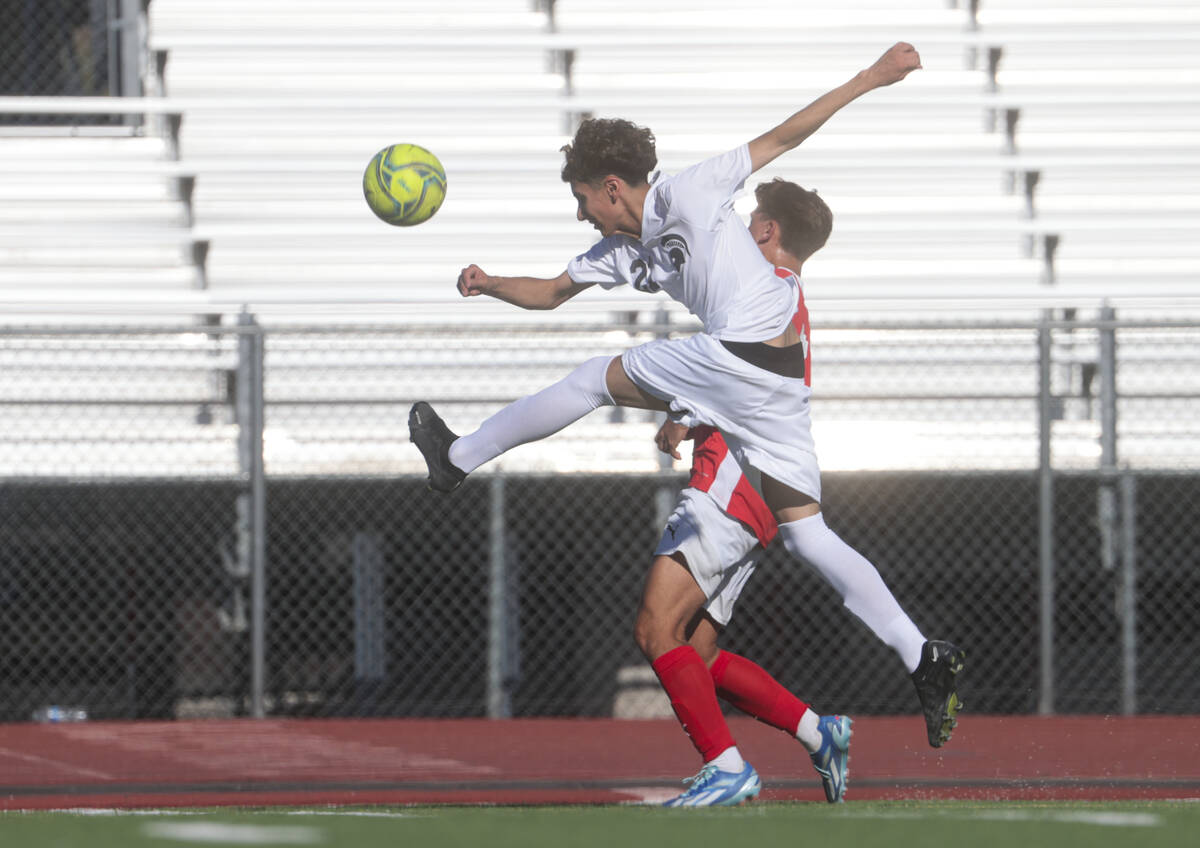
(526, 292)
(894, 65)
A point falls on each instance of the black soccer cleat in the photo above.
(937, 687)
(433, 438)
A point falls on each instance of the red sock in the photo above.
(693, 697)
(749, 688)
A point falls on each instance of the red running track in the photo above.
(573, 761)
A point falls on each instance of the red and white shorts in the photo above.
(721, 552)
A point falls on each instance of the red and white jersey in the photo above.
(800, 321)
(717, 472)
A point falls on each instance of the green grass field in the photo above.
(856, 825)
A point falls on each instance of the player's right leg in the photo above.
(678, 584)
(713, 787)
(433, 438)
(669, 602)
(451, 458)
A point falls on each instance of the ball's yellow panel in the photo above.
(404, 184)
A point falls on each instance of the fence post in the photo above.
(1106, 498)
(1127, 603)
(1045, 519)
(499, 698)
(370, 612)
(250, 416)
(130, 42)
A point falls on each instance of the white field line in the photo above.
(220, 833)
(369, 814)
(1098, 817)
(58, 764)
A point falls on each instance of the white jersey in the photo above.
(695, 248)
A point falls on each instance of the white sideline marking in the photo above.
(1100, 817)
(33, 758)
(113, 811)
(269, 750)
(370, 814)
(650, 794)
(240, 834)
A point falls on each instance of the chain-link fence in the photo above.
(70, 48)
(229, 520)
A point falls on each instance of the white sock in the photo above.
(536, 416)
(729, 760)
(858, 582)
(905, 639)
(808, 731)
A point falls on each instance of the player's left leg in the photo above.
(934, 666)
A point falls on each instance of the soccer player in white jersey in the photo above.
(679, 234)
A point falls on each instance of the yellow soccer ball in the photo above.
(404, 184)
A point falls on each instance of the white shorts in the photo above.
(721, 552)
(763, 416)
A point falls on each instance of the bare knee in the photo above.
(654, 635)
(669, 603)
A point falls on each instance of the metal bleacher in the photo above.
(283, 116)
(1110, 124)
(1046, 156)
(973, 177)
(705, 82)
(93, 211)
(1046, 150)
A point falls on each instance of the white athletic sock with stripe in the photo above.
(858, 582)
(536, 416)
(729, 760)
(808, 731)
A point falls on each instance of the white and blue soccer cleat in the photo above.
(832, 759)
(715, 788)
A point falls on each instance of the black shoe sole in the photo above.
(941, 716)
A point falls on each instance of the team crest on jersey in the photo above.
(677, 251)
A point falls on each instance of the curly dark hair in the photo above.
(604, 146)
(803, 217)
